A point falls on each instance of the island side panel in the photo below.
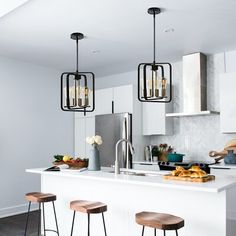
(204, 212)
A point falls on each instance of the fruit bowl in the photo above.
(77, 163)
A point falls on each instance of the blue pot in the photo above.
(230, 158)
(175, 157)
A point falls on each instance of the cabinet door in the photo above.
(227, 103)
(154, 118)
(123, 99)
(89, 131)
(103, 102)
(80, 132)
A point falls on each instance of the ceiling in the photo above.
(118, 32)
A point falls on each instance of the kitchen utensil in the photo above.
(175, 157)
(230, 158)
(216, 154)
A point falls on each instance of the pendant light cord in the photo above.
(77, 55)
(154, 38)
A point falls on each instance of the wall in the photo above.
(194, 136)
(32, 129)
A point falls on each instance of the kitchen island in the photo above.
(202, 205)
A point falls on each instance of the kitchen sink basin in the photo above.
(132, 172)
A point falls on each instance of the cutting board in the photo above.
(189, 179)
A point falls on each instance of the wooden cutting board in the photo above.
(189, 179)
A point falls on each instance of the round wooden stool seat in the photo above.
(159, 220)
(40, 197)
(88, 206)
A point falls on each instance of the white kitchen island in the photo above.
(202, 205)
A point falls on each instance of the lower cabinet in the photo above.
(231, 213)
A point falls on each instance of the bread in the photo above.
(176, 172)
(198, 174)
(185, 173)
(180, 168)
(195, 168)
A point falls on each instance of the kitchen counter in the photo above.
(125, 195)
(220, 184)
(222, 165)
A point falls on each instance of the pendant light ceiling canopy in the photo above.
(77, 88)
(155, 79)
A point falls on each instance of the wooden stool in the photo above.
(41, 198)
(89, 208)
(159, 221)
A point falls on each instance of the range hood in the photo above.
(194, 87)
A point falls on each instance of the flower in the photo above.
(94, 140)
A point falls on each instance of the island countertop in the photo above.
(220, 184)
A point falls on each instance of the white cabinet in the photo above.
(84, 127)
(227, 103)
(155, 121)
(123, 99)
(224, 170)
(103, 102)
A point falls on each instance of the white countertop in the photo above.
(220, 184)
(222, 165)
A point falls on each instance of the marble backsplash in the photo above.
(196, 136)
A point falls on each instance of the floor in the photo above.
(15, 225)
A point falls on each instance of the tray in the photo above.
(189, 179)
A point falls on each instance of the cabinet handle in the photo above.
(112, 107)
(220, 168)
(146, 164)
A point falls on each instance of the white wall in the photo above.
(32, 129)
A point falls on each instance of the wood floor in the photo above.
(15, 225)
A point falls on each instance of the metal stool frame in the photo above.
(39, 220)
(73, 221)
(155, 231)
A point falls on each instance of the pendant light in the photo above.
(77, 88)
(155, 79)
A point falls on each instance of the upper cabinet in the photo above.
(155, 121)
(227, 103)
(123, 99)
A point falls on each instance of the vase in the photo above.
(94, 159)
(230, 158)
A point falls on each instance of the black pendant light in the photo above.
(77, 88)
(155, 79)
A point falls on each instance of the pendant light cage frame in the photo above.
(78, 88)
(155, 79)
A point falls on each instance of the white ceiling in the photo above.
(39, 32)
(7, 6)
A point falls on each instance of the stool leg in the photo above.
(72, 227)
(88, 224)
(39, 220)
(27, 219)
(155, 232)
(55, 217)
(176, 231)
(104, 224)
(143, 231)
(44, 231)
(164, 233)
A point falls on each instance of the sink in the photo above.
(132, 172)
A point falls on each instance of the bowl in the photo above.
(175, 157)
(75, 165)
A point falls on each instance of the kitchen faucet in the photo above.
(117, 167)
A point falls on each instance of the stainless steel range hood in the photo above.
(194, 87)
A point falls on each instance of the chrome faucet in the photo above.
(117, 167)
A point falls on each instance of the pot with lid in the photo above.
(175, 157)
